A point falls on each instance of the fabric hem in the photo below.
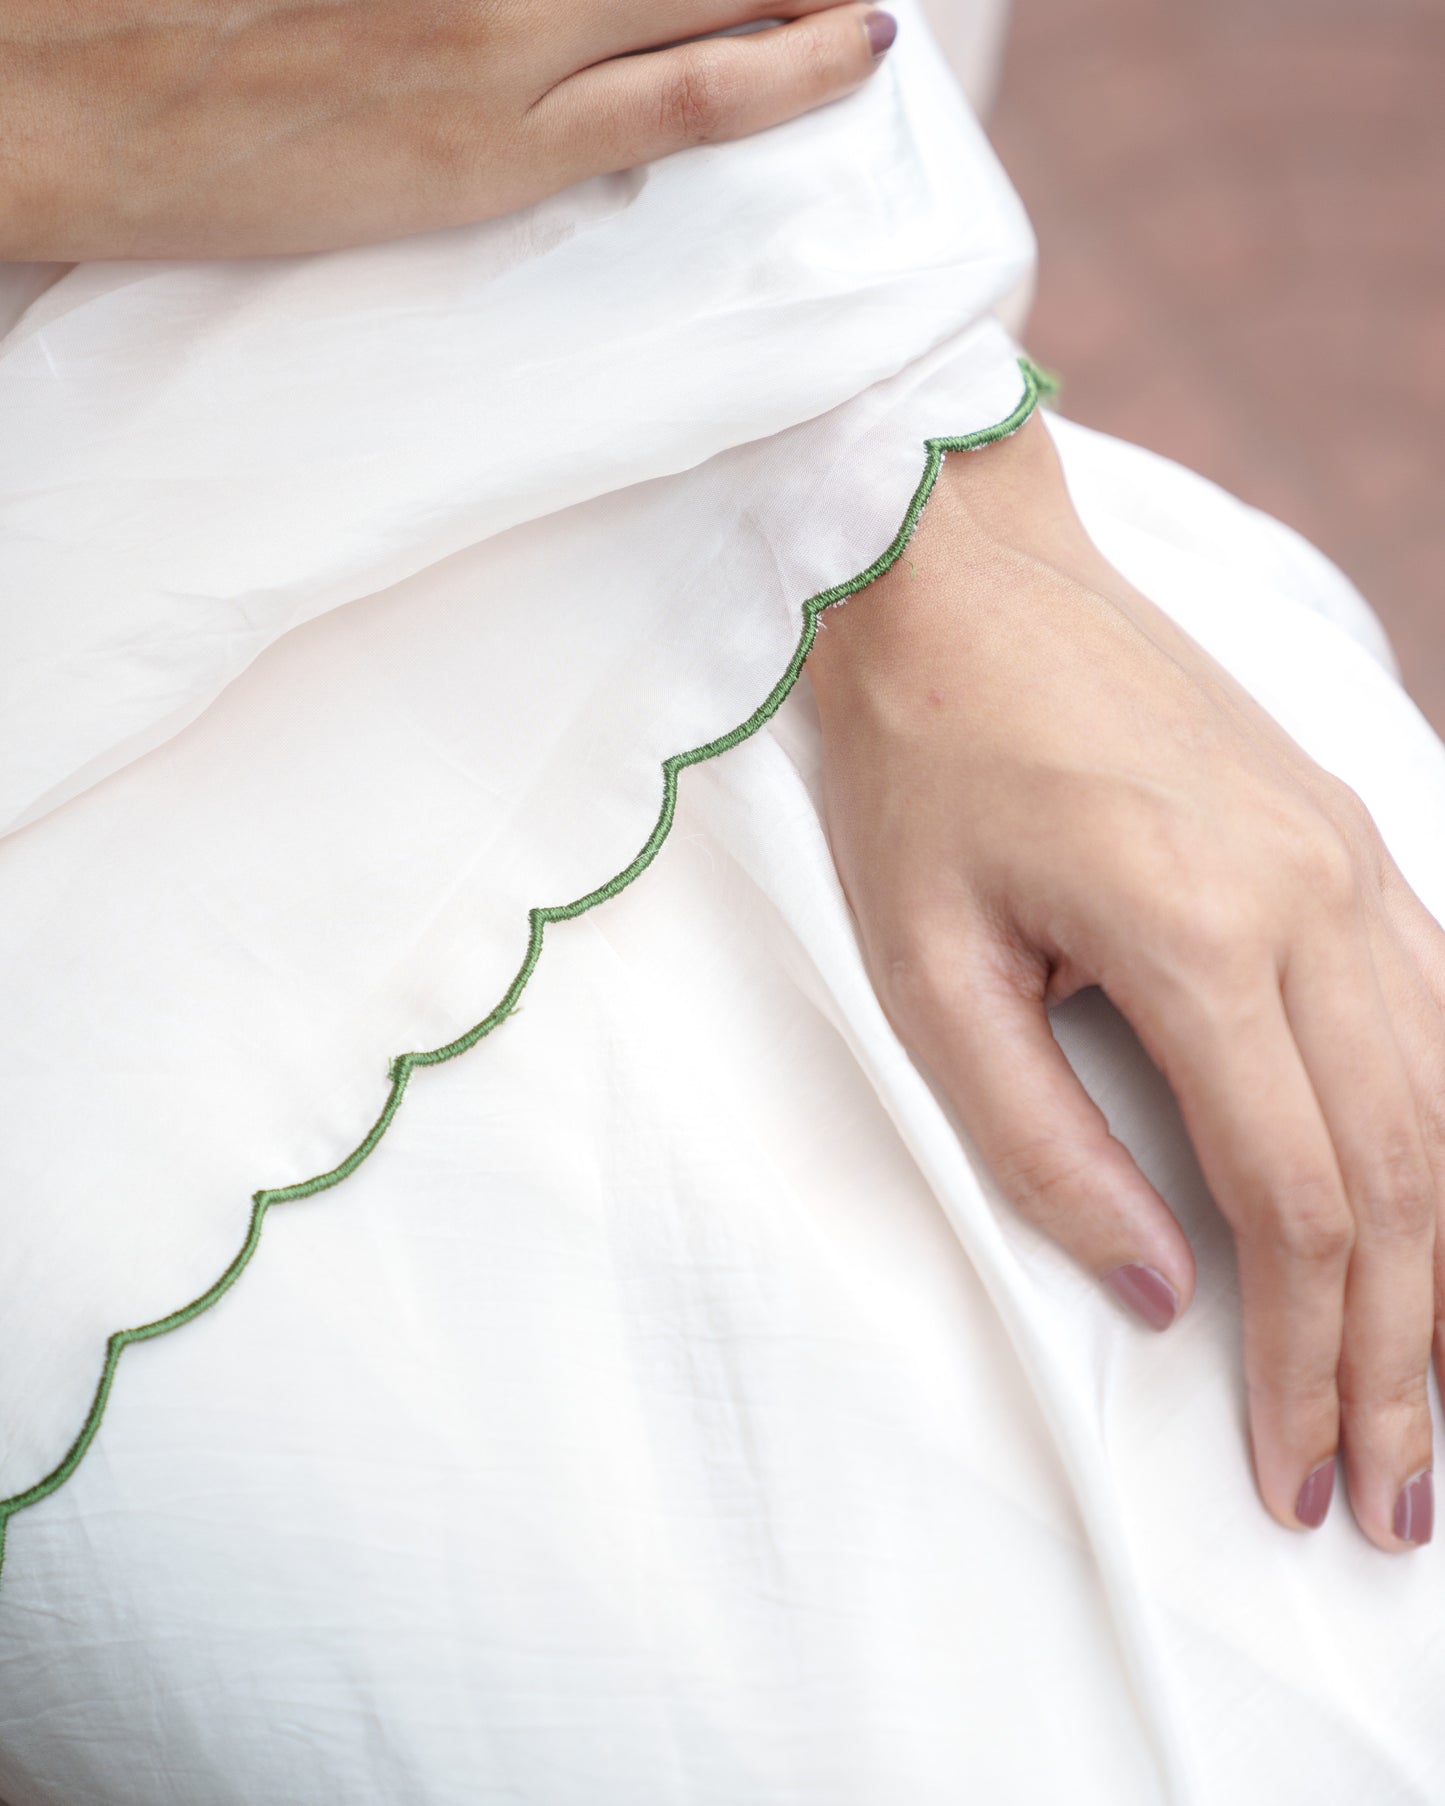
(1038, 385)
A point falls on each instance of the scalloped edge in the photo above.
(1038, 384)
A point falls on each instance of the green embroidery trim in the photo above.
(1038, 385)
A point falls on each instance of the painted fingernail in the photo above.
(882, 29)
(1147, 1293)
(1313, 1504)
(1415, 1510)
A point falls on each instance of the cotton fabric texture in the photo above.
(667, 1409)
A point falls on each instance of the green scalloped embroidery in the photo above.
(1038, 384)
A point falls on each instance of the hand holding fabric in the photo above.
(240, 129)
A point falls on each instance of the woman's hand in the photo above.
(1034, 782)
(137, 128)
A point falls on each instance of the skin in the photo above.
(1034, 782)
(225, 128)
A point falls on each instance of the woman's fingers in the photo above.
(984, 1034)
(1412, 976)
(1120, 812)
(657, 24)
(1262, 1143)
(1359, 1074)
(632, 109)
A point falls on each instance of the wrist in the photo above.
(999, 519)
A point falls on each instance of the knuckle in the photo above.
(1206, 926)
(1305, 1221)
(1185, 889)
(1316, 1239)
(1331, 872)
(910, 967)
(446, 149)
(1043, 1177)
(694, 105)
(916, 977)
(926, 967)
(1305, 1396)
(1333, 878)
(1399, 1201)
(1397, 1393)
(1213, 951)
(1347, 810)
(1318, 852)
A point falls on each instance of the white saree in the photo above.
(649, 1401)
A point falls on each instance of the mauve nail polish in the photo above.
(882, 29)
(1415, 1510)
(1147, 1293)
(1313, 1503)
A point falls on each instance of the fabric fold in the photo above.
(411, 788)
(199, 457)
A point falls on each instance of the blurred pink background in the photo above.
(1241, 214)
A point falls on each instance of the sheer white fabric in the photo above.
(667, 1411)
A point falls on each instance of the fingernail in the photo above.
(1415, 1510)
(1147, 1293)
(882, 29)
(1313, 1503)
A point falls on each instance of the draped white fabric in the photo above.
(199, 457)
(666, 1411)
